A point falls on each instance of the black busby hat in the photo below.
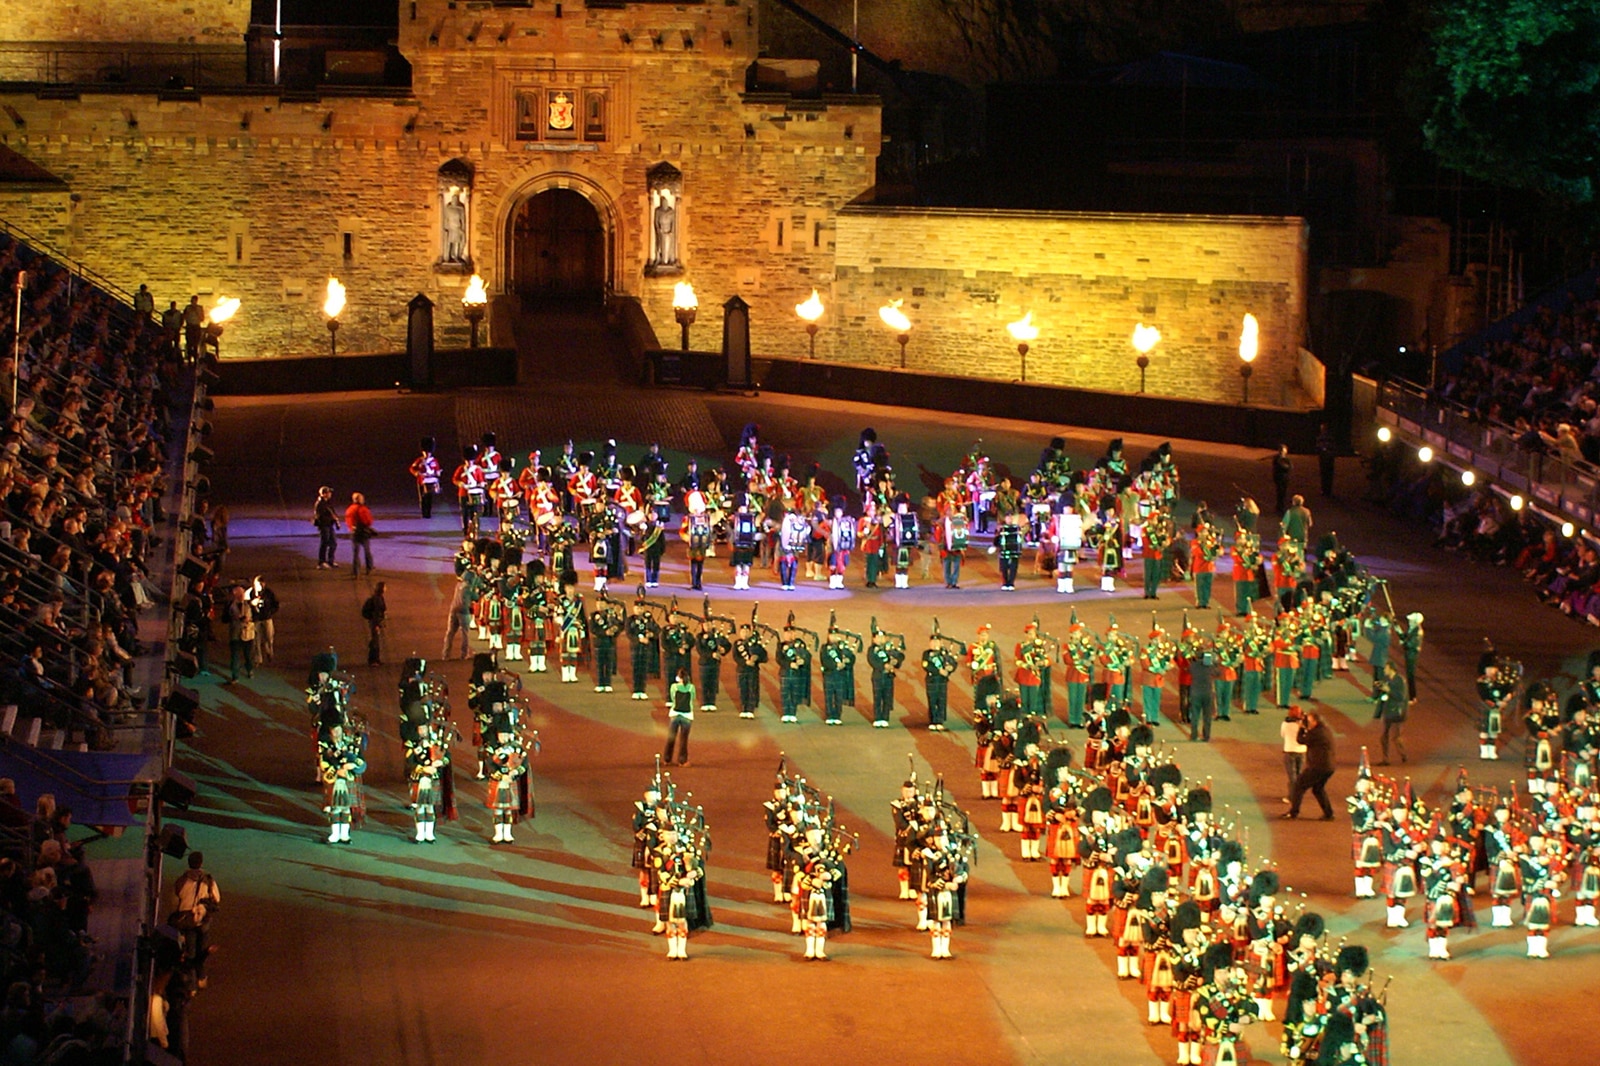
(427, 444)
(1127, 842)
(1058, 443)
(1115, 446)
(1217, 957)
(1489, 656)
(610, 447)
(838, 503)
(324, 662)
(483, 662)
(782, 462)
(1060, 758)
(1352, 959)
(1264, 883)
(1165, 774)
(1310, 924)
(1231, 851)
(1141, 737)
(413, 666)
(750, 430)
(1340, 1030)
(545, 473)
(1303, 989)
(1198, 801)
(1575, 704)
(1119, 719)
(814, 471)
(488, 439)
(868, 435)
(765, 455)
(1155, 879)
(469, 452)
(1187, 916)
(586, 458)
(535, 569)
(1098, 800)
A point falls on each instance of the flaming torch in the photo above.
(810, 310)
(1249, 340)
(1145, 338)
(224, 309)
(1022, 331)
(896, 320)
(473, 303)
(685, 304)
(333, 306)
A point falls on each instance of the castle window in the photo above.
(594, 116)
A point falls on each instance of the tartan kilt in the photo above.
(1443, 911)
(1378, 1044)
(1366, 850)
(1182, 1009)
(1099, 887)
(1119, 925)
(944, 906)
(1061, 841)
(1540, 912)
(1399, 881)
(1158, 973)
(775, 854)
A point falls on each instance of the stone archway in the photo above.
(560, 245)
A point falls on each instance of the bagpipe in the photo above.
(958, 648)
(761, 627)
(436, 702)
(816, 640)
(851, 638)
(1051, 643)
(663, 609)
(896, 642)
(727, 625)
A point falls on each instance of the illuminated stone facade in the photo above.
(262, 194)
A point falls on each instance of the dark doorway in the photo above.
(558, 248)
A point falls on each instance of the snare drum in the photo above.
(635, 519)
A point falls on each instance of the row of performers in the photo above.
(427, 732)
(671, 843)
(1169, 884)
(528, 616)
(1528, 846)
(782, 522)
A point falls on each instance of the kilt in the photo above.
(1400, 881)
(1540, 912)
(944, 906)
(1442, 912)
(1061, 841)
(775, 854)
(1099, 887)
(1366, 850)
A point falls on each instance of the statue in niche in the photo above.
(666, 220)
(455, 216)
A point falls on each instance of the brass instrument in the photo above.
(853, 639)
(816, 641)
(897, 641)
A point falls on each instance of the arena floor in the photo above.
(388, 952)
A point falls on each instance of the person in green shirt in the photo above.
(680, 718)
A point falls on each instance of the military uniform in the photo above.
(838, 660)
(607, 621)
(749, 652)
(794, 661)
(885, 658)
(426, 470)
(713, 646)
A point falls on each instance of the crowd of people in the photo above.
(94, 396)
(82, 476)
(1542, 382)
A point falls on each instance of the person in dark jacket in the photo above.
(1318, 739)
(1281, 467)
(375, 612)
(1202, 703)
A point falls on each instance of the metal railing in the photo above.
(145, 67)
(1560, 485)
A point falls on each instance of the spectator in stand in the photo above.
(326, 519)
(172, 327)
(194, 317)
(358, 519)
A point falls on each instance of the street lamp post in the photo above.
(896, 320)
(474, 302)
(332, 306)
(1249, 340)
(684, 308)
(810, 310)
(1145, 338)
(1022, 331)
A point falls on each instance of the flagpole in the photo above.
(16, 343)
